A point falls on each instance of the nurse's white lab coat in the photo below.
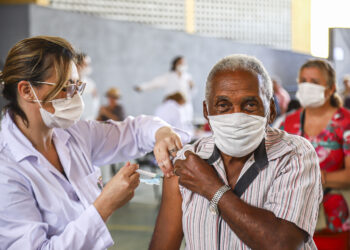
(39, 207)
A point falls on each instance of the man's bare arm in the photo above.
(168, 232)
(257, 227)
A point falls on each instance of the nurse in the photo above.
(51, 194)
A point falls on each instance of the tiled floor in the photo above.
(132, 226)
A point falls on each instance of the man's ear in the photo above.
(25, 91)
(273, 112)
(205, 111)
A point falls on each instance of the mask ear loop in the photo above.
(36, 97)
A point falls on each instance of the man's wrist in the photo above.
(210, 192)
(213, 206)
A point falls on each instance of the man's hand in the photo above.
(167, 144)
(197, 175)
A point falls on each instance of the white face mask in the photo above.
(310, 95)
(182, 68)
(237, 134)
(67, 111)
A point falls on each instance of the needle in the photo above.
(149, 174)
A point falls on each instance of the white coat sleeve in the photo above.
(113, 141)
(21, 225)
(155, 83)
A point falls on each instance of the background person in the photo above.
(113, 110)
(326, 124)
(177, 80)
(281, 95)
(90, 97)
(173, 111)
(346, 92)
(50, 190)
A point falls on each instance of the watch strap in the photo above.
(217, 196)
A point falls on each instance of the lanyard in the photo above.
(247, 178)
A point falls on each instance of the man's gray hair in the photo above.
(247, 63)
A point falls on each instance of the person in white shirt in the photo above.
(51, 193)
(91, 98)
(173, 111)
(177, 80)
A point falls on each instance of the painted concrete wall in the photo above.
(340, 53)
(125, 54)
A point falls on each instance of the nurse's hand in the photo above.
(118, 191)
(167, 144)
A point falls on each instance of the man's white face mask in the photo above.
(237, 134)
(67, 111)
(310, 95)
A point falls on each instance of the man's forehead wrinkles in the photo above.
(222, 97)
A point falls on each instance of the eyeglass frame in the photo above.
(76, 89)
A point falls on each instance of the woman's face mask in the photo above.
(313, 89)
(311, 95)
(67, 111)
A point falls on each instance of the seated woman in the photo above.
(173, 111)
(113, 110)
(326, 125)
(50, 190)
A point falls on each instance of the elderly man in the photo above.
(248, 185)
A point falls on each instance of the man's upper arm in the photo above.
(168, 232)
(296, 192)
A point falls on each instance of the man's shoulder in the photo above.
(280, 143)
(203, 147)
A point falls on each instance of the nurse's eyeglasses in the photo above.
(71, 88)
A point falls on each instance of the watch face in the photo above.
(213, 210)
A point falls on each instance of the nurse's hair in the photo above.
(35, 59)
(326, 68)
(247, 63)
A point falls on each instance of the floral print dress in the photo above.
(332, 146)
